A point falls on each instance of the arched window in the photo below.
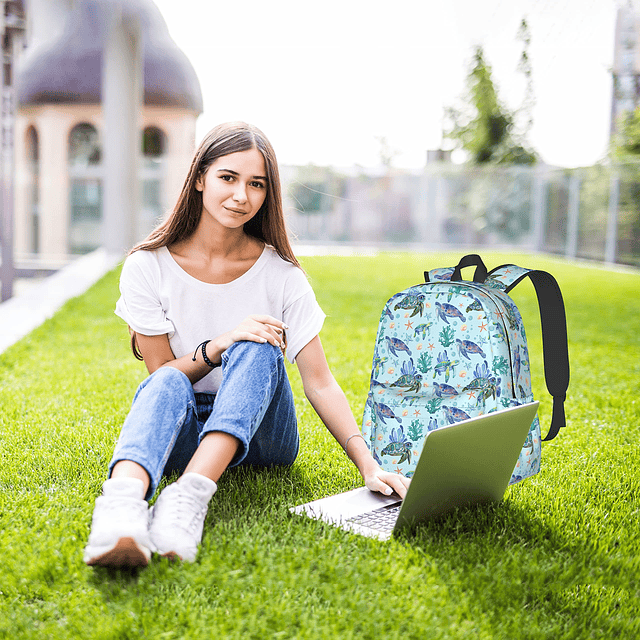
(154, 143)
(154, 150)
(33, 189)
(84, 147)
(85, 188)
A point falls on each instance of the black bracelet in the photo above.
(203, 347)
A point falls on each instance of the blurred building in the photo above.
(12, 30)
(626, 63)
(60, 132)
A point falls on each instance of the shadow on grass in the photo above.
(510, 566)
(102, 577)
(505, 558)
(252, 493)
(514, 562)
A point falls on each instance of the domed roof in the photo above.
(69, 69)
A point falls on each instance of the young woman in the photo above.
(211, 298)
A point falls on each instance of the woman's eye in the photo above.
(226, 178)
(258, 185)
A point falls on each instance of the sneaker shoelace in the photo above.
(183, 511)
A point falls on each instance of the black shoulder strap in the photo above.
(554, 335)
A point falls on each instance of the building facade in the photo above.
(626, 64)
(60, 126)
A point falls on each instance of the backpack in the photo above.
(448, 350)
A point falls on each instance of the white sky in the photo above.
(324, 79)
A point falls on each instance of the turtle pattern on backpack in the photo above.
(447, 351)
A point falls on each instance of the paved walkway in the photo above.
(24, 312)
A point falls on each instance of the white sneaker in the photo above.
(120, 526)
(178, 516)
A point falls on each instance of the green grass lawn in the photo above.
(558, 559)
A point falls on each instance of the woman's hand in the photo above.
(156, 350)
(330, 403)
(386, 482)
(256, 328)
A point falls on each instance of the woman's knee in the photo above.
(254, 351)
(167, 380)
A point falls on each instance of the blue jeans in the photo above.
(254, 403)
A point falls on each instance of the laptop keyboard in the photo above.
(382, 519)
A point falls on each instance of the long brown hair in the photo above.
(268, 225)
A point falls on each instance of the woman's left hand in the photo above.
(386, 482)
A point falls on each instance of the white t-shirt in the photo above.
(157, 296)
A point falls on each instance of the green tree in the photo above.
(626, 142)
(483, 126)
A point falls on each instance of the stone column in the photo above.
(12, 32)
(122, 95)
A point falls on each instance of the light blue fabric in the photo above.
(445, 352)
(255, 404)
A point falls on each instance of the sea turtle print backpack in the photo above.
(449, 349)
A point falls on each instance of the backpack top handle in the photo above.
(473, 259)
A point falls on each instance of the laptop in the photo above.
(462, 464)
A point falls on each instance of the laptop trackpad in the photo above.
(338, 508)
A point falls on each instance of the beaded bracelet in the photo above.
(203, 347)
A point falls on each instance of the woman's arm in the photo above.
(330, 403)
(156, 350)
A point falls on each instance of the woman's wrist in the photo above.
(202, 348)
(368, 466)
(214, 349)
(359, 453)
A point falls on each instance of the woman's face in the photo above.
(234, 188)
